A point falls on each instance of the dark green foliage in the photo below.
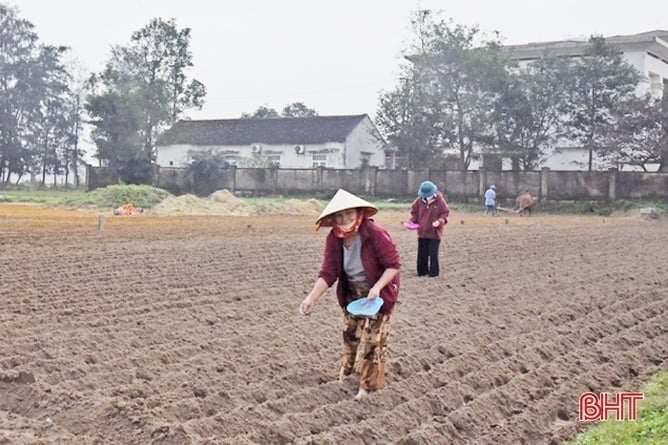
(409, 118)
(601, 85)
(262, 112)
(461, 96)
(443, 102)
(142, 90)
(37, 111)
(116, 121)
(117, 195)
(298, 109)
(204, 171)
(641, 134)
(295, 109)
(528, 111)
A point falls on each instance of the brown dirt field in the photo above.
(185, 330)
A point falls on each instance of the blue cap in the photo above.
(427, 189)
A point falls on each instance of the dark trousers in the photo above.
(427, 257)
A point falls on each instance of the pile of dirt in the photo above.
(231, 202)
(290, 207)
(223, 202)
(216, 204)
(646, 214)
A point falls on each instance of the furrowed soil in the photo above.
(186, 330)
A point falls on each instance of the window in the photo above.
(655, 85)
(365, 158)
(231, 161)
(319, 160)
(274, 160)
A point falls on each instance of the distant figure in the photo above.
(524, 204)
(490, 201)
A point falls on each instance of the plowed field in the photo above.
(186, 330)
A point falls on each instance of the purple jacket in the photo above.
(378, 253)
(425, 214)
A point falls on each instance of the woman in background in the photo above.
(430, 211)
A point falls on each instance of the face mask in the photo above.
(348, 227)
(343, 231)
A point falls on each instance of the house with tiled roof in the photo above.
(340, 142)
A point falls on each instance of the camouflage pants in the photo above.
(365, 343)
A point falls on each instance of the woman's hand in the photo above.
(373, 292)
(312, 298)
(436, 223)
(383, 281)
(307, 306)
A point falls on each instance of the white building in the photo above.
(647, 52)
(329, 141)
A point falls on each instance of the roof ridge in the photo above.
(577, 42)
(348, 116)
(244, 131)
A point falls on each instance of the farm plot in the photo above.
(186, 330)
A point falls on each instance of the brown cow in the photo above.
(524, 204)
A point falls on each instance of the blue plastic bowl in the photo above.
(365, 307)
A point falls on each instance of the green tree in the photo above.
(51, 126)
(295, 109)
(641, 134)
(298, 109)
(409, 120)
(601, 82)
(19, 100)
(73, 154)
(33, 87)
(463, 69)
(151, 75)
(203, 171)
(116, 120)
(157, 59)
(262, 112)
(529, 111)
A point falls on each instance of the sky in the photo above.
(334, 56)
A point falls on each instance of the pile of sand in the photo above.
(290, 207)
(192, 205)
(223, 202)
(310, 206)
(646, 213)
(230, 201)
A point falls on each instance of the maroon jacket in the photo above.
(425, 214)
(378, 253)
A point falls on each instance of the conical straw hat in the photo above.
(344, 200)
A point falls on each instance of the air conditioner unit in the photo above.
(256, 148)
(300, 149)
